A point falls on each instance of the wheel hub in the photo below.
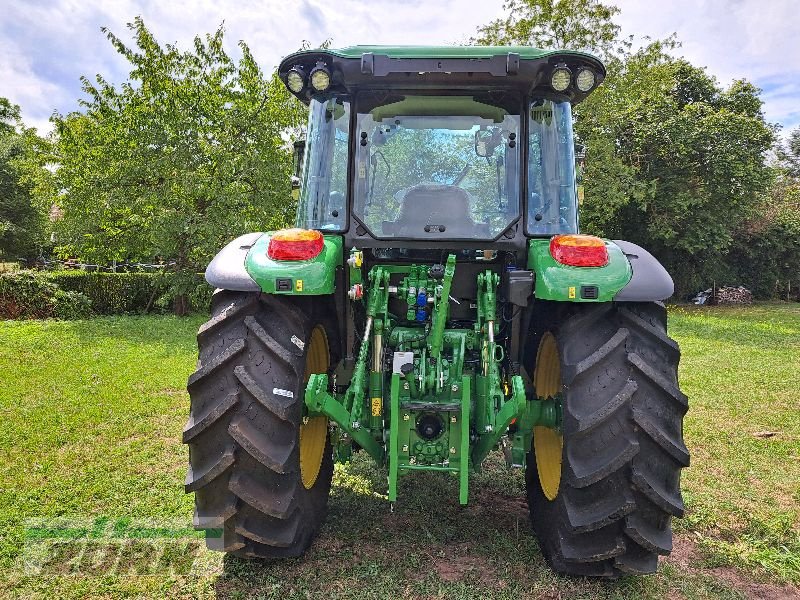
(314, 430)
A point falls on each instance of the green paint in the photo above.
(441, 308)
(317, 276)
(463, 475)
(554, 280)
(510, 410)
(465, 52)
(319, 401)
(464, 402)
(394, 435)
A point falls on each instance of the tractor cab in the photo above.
(444, 146)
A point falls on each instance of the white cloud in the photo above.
(45, 46)
(734, 39)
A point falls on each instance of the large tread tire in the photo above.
(623, 447)
(243, 429)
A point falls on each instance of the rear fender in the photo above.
(314, 277)
(650, 281)
(564, 283)
(227, 271)
(631, 275)
(244, 265)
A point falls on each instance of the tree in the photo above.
(677, 163)
(21, 224)
(176, 161)
(570, 24)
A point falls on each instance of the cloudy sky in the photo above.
(46, 45)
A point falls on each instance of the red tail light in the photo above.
(579, 250)
(295, 244)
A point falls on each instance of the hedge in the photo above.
(41, 294)
(25, 296)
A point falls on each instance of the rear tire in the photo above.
(623, 447)
(244, 427)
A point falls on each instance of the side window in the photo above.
(323, 195)
(552, 202)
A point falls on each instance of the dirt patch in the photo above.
(457, 563)
(686, 555)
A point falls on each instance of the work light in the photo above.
(320, 78)
(585, 79)
(560, 78)
(295, 79)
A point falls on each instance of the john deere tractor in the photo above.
(435, 302)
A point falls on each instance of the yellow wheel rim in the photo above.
(548, 443)
(314, 430)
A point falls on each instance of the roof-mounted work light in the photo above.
(296, 79)
(561, 77)
(320, 77)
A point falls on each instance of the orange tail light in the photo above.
(295, 244)
(579, 250)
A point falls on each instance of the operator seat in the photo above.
(435, 205)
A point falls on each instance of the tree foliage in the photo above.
(176, 161)
(21, 223)
(573, 24)
(681, 161)
(675, 161)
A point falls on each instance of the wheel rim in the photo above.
(548, 443)
(314, 430)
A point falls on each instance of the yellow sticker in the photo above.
(572, 292)
(376, 407)
(298, 286)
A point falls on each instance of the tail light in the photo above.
(295, 244)
(579, 250)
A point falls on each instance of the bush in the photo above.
(28, 296)
(76, 294)
(113, 293)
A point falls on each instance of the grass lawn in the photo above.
(92, 413)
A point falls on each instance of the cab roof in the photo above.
(523, 68)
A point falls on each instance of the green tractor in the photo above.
(436, 302)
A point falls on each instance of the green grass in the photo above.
(91, 417)
(741, 370)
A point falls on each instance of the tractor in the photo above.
(434, 302)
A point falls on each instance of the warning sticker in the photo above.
(284, 393)
(572, 292)
(377, 405)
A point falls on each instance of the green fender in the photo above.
(295, 277)
(563, 283)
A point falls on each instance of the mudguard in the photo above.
(650, 281)
(313, 277)
(563, 283)
(227, 270)
(243, 265)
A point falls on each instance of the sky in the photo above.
(46, 45)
